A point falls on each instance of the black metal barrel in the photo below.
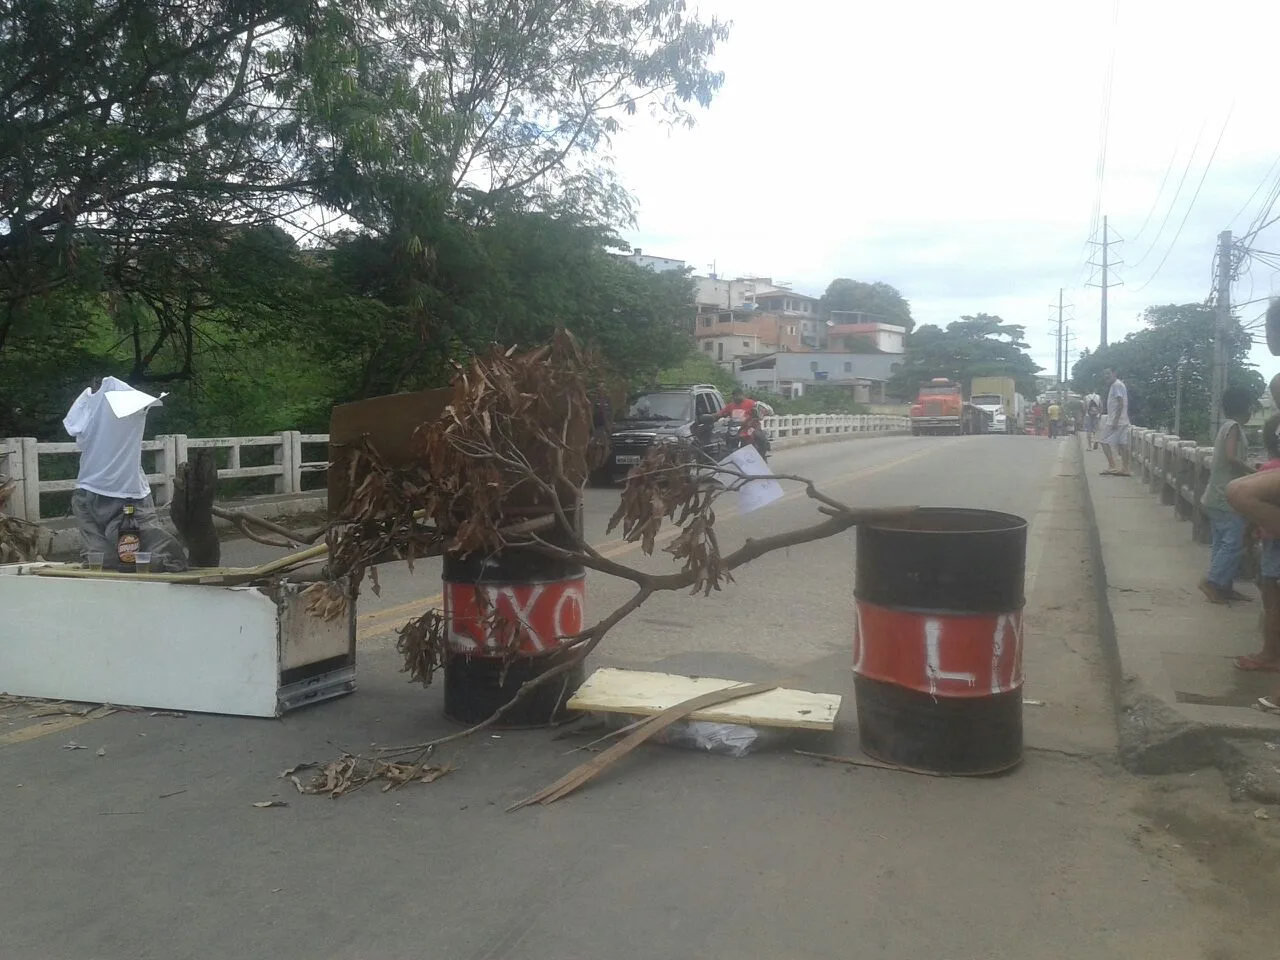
(938, 600)
(541, 602)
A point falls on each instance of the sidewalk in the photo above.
(1182, 704)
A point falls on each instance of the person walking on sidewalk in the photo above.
(1092, 410)
(1115, 428)
(1230, 460)
(1269, 571)
(1055, 420)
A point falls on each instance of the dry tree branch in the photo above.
(243, 521)
(516, 440)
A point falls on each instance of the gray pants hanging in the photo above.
(99, 517)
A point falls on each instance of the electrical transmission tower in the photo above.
(1103, 262)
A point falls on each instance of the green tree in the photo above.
(1148, 360)
(146, 147)
(973, 346)
(879, 299)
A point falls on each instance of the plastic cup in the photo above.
(142, 562)
(93, 560)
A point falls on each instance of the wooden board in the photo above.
(639, 693)
(388, 422)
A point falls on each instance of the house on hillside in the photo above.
(883, 337)
(656, 264)
(714, 294)
(797, 307)
(731, 334)
(864, 375)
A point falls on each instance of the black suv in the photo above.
(659, 414)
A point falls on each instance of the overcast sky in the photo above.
(951, 149)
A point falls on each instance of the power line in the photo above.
(1159, 193)
(1267, 176)
(1191, 205)
(1176, 193)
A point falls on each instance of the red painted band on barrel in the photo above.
(944, 655)
(544, 614)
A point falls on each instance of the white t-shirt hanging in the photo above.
(110, 446)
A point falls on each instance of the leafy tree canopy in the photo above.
(1148, 361)
(973, 346)
(150, 154)
(879, 299)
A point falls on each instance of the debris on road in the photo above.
(102, 751)
(349, 772)
(263, 804)
(74, 746)
(655, 725)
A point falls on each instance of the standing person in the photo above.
(1230, 460)
(1269, 571)
(1257, 497)
(1055, 419)
(111, 479)
(1092, 410)
(1115, 428)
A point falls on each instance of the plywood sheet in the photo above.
(640, 693)
(388, 422)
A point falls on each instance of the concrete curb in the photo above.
(1154, 737)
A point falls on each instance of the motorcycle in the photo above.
(738, 435)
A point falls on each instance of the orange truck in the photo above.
(939, 409)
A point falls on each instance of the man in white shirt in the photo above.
(111, 477)
(1115, 426)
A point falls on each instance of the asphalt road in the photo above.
(155, 850)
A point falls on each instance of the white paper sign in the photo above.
(753, 493)
(125, 403)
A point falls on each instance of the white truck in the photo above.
(998, 398)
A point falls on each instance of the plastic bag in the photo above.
(730, 739)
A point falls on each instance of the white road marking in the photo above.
(1036, 534)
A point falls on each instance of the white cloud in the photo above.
(950, 149)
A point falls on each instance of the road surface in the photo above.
(155, 850)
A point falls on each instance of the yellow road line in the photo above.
(383, 622)
(37, 730)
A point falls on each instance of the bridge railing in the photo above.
(1176, 471)
(807, 425)
(21, 458)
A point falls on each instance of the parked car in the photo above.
(664, 413)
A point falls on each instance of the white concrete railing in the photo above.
(20, 459)
(817, 424)
(1177, 471)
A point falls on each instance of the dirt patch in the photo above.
(1186, 822)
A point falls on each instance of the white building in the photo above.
(720, 293)
(656, 264)
(885, 337)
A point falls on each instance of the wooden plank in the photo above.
(580, 774)
(641, 693)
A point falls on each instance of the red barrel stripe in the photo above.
(544, 615)
(944, 655)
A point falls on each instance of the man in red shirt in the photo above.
(746, 413)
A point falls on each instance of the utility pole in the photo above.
(1105, 266)
(1106, 249)
(1061, 356)
(1177, 397)
(1221, 323)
